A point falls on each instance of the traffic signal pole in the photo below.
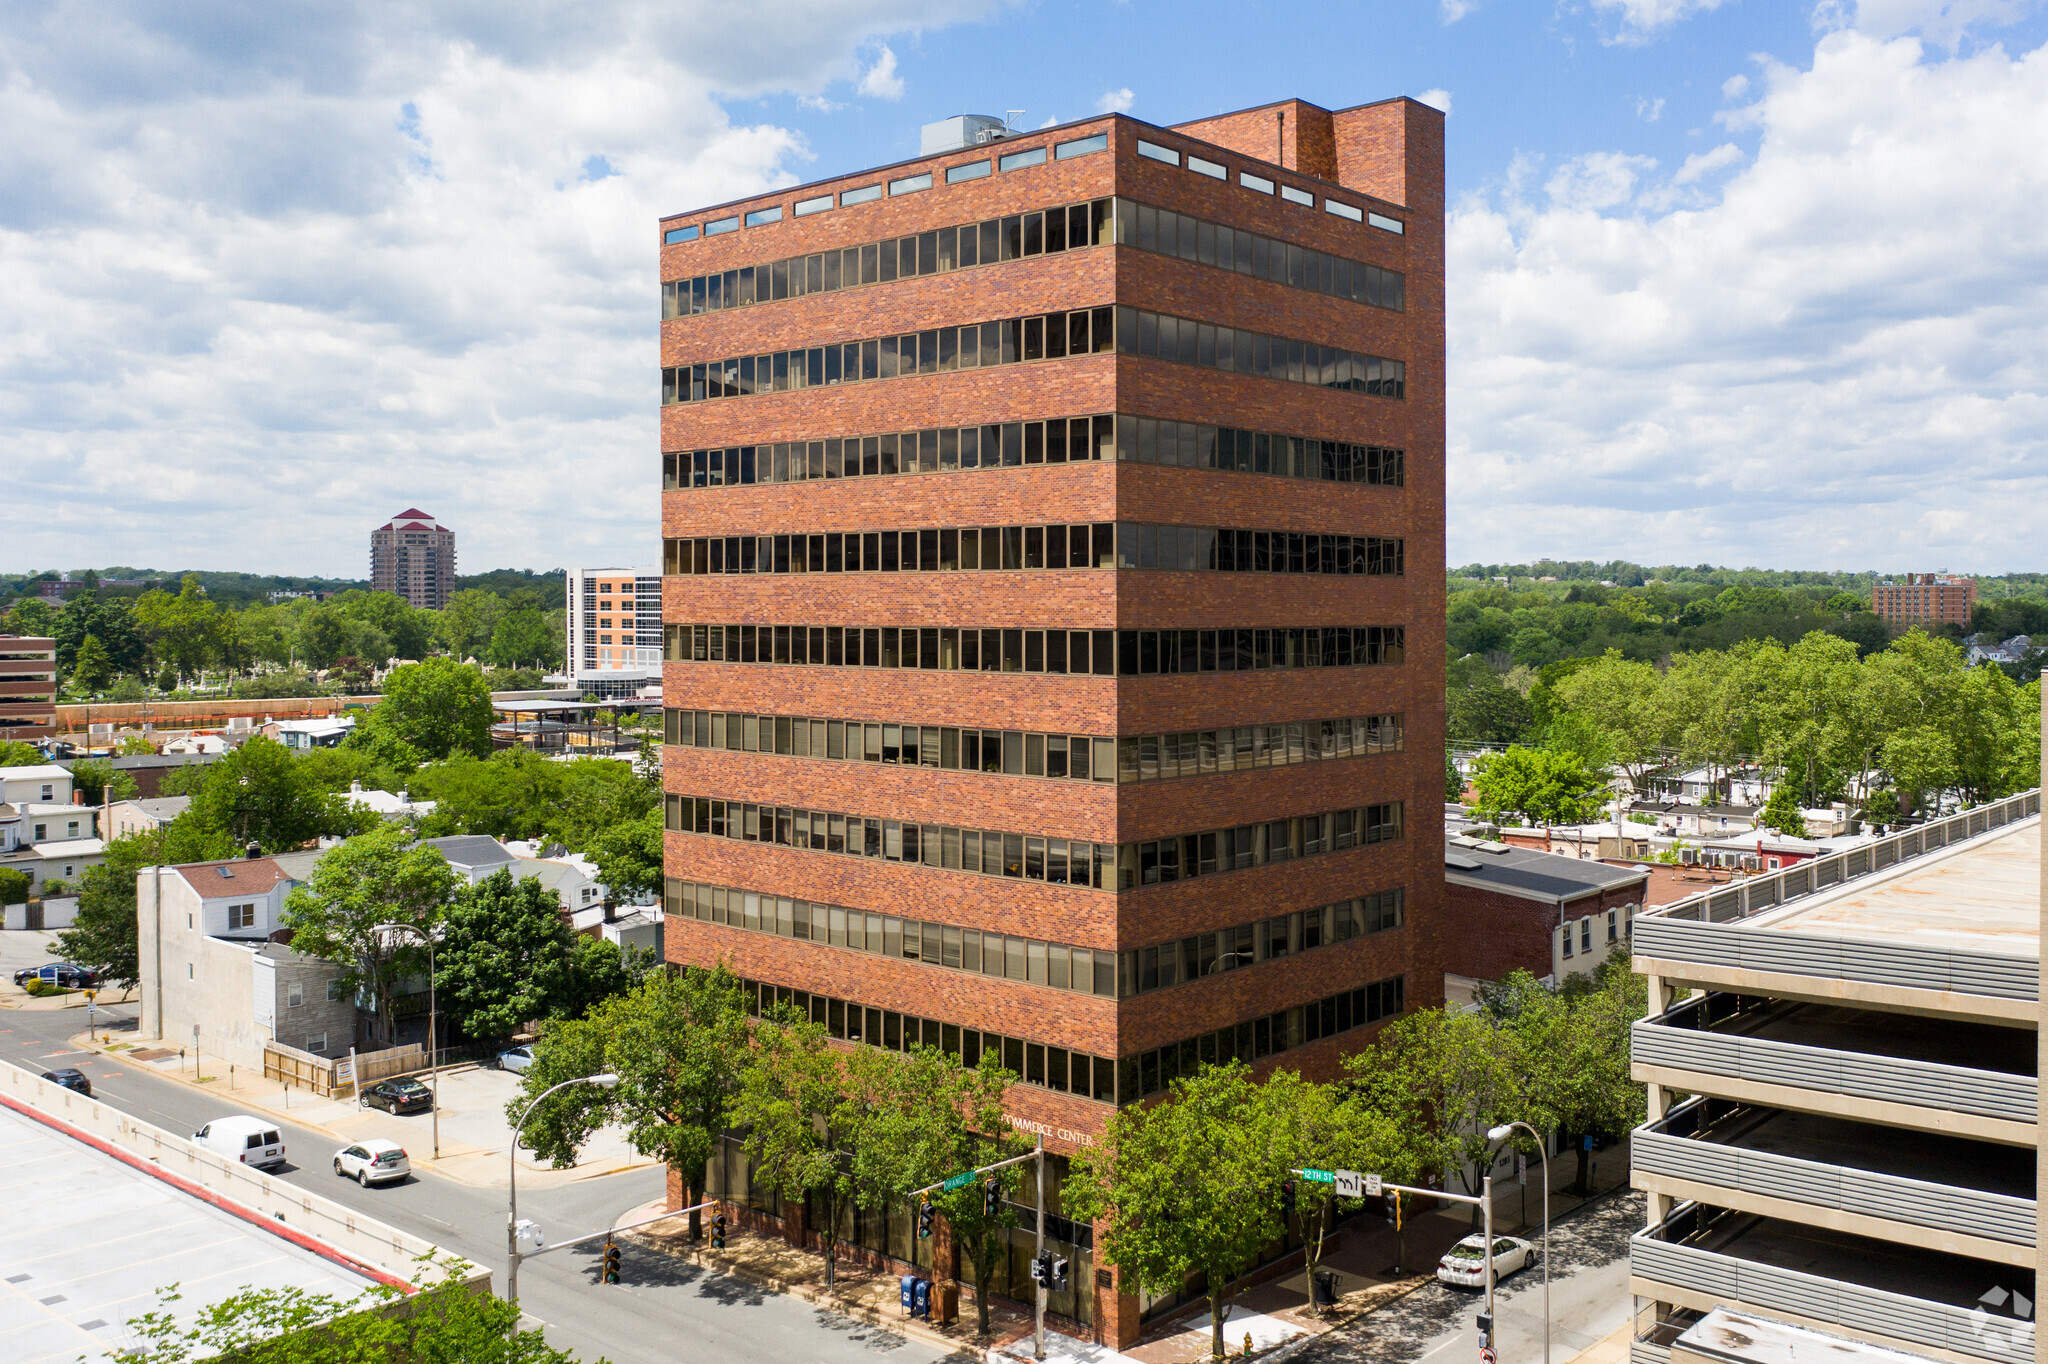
(1045, 1285)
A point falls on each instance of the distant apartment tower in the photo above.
(28, 688)
(1843, 1132)
(614, 629)
(413, 556)
(1925, 598)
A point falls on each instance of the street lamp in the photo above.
(1502, 1133)
(433, 1053)
(604, 1080)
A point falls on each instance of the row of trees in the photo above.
(1906, 727)
(1189, 1188)
(166, 639)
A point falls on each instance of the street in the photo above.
(1589, 1299)
(664, 1310)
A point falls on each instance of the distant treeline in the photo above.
(255, 589)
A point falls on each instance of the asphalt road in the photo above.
(663, 1311)
(1589, 1300)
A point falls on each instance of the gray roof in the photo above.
(163, 807)
(470, 850)
(1532, 874)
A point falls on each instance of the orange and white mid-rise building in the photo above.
(614, 624)
(1923, 598)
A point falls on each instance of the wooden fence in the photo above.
(330, 1076)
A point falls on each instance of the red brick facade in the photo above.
(1499, 933)
(1390, 151)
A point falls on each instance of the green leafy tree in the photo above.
(374, 878)
(98, 781)
(1327, 1127)
(31, 616)
(15, 753)
(515, 793)
(1480, 708)
(14, 889)
(1445, 1078)
(1539, 786)
(679, 1043)
(1624, 698)
(466, 623)
(599, 794)
(628, 857)
(801, 1115)
(260, 793)
(439, 707)
(1782, 812)
(976, 1134)
(323, 635)
(1805, 696)
(503, 955)
(443, 1323)
(1188, 1187)
(598, 969)
(1573, 1044)
(111, 622)
(408, 633)
(1454, 783)
(524, 636)
(94, 668)
(185, 630)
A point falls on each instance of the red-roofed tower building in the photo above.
(413, 556)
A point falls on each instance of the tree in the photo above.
(1782, 812)
(260, 793)
(1327, 1127)
(598, 970)
(523, 635)
(186, 630)
(1573, 1042)
(94, 668)
(1805, 694)
(1445, 1078)
(439, 707)
(1480, 708)
(14, 889)
(1540, 786)
(1624, 698)
(796, 1107)
(408, 633)
(466, 622)
(679, 1043)
(111, 622)
(512, 794)
(15, 753)
(98, 781)
(628, 857)
(31, 616)
(598, 795)
(1454, 783)
(373, 878)
(977, 1135)
(1188, 1187)
(503, 955)
(104, 933)
(443, 1323)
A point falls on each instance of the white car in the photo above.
(1464, 1265)
(250, 1141)
(516, 1059)
(375, 1161)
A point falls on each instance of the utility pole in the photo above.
(1045, 1285)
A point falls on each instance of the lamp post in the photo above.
(604, 1080)
(1502, 1133)
(433, 1016)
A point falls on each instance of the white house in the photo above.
(45, 783)
(138, 816)
(325, 732)
(388, 806)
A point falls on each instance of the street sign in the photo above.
(1372, 1186)
(1317, 1176)
(1350, 1184)
(1521, 1168)
(955, 1181)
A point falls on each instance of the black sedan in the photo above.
(399, 1096)
(70, 1079)
(61, 974)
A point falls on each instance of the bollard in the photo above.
(231, 1076)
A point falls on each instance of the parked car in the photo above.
(1464, 1265)
(62, 974)
(70, 1079)
(253, 1141)
(399, 1096)
(516, 1059)
(376, 1161)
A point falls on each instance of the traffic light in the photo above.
(718, 1230)
(1287, 1198)
(611, 1262)
(1485, 1325)
(1039, 1268)
(991, 1199)
(1059, 1272)
(924, 1218)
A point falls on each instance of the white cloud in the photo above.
(1838, 359)
(1454, 10)
(881, 80)
(1641, 20)
(1735, 87)
(1649, 110)
(1436, 98)
(1939, 21)
(269, 280)
(1116, 101)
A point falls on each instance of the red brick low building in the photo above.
(1543, 913)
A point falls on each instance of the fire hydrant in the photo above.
(1247, 1344)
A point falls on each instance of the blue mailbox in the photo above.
(924, 1300)
(909, 1288)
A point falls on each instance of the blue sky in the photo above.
(1730, 282)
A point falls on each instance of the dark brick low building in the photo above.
(1546, 914)
(1042, 666)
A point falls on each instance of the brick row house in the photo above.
(1052, 608)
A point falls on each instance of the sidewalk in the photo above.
(475, 1132)
(865, 1294)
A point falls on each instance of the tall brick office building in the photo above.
(1053, 600)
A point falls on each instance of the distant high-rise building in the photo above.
(413, 556)
(614, 621)
(1921, 598)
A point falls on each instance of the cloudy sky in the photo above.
(1733, 281)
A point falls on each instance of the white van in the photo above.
(252, 1141)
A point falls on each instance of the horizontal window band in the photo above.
(1072, 757)
(1035, 857)
(1057, 440)
(1097, 653)
(1190, 342)
(1031, 961)
(1153, 1072)
(1167, 233)
(1047, 231)
(1097, 545)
